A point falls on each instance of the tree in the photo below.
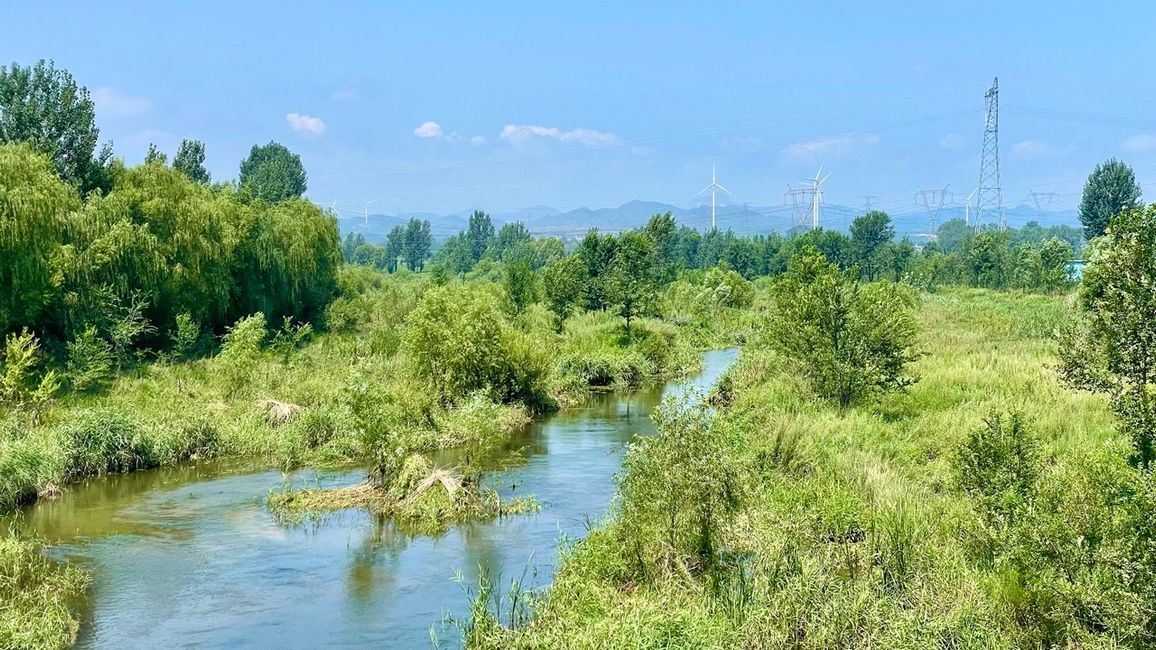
(45, 107)
(952, 235)
(479, 234)
(597, 254)
(1111, 188)
(988, 257)
(565, 281)
(631, 285)
(1109, 345)
(416, 244)
(661, 229)
(849, 339)
(273, 173)
(190, 161)
(870, 233)
(519, 284)
(34, 209)
(394, 245)
(510, 238)
(155, 156)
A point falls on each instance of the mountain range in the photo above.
(742, 219)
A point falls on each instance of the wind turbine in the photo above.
(713, 187)
(967, 208)
(816, 196)
(367, 210)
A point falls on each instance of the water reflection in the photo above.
(189, 556)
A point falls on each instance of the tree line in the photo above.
(118, 257)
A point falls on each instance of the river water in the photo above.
(190, 557)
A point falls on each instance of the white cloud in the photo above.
(305, 123)
(953, 142)
(428, 129)
(809, 150)
(523, 133)
(1030, 149)
(477, 140)
(1140, 143)
(112, 103)
(343, 95)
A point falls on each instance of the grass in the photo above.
(852, 532)
(35, 597)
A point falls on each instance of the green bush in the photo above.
(90, 360)
(104, 441)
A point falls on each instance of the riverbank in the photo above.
(851, 529)
(323, 399)
(176, 555)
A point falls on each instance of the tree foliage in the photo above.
(870, 234)
(849, 339)
(44, 106)
(631, 286)
(190, 161)
(564, 282)
(34, 215)
(273, 173)
(1109, 346)
(1111, 188)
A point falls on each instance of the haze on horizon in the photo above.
(428, 107)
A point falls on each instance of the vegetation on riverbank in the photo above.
(36, 597)
(988, 505)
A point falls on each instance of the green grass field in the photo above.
(851, 532)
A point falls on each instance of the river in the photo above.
(190, 556)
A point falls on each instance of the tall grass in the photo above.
(853, 530)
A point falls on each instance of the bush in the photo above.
(89, 360)
(997, 465)
(20, 381)
(102, 441)
(678, 490)
(849, 339)
(460, 344)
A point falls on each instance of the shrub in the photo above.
(240, 349)
(102, 441)
(89, 360)
(997, 465)
(678, 490)
(460, 344)
(20, 383)
(849, 339)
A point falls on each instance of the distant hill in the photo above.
(742, 219)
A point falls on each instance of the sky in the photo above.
(446, 107)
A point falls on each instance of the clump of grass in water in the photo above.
(422, 498)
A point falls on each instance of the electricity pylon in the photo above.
(989, 204)
(933, 201)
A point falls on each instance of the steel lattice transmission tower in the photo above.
(989, 203)
(933, 201)
(800, 199)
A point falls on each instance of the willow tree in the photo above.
(34, 204)
(286, 260)
(157, 216)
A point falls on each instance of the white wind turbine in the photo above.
(713, 187)
(967, 208)
(816, 196)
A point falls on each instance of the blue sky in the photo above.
(444, 107)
